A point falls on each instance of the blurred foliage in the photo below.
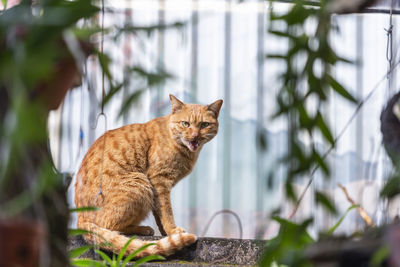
(305, 86)
(30, 48)
(34, 39)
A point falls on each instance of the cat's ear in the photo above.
(215, 107)
(176, 104)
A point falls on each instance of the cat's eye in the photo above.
(204, 125)
(185, 124)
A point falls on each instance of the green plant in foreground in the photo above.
(115, 261)
(305, 86)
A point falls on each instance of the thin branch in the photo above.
(367, 219)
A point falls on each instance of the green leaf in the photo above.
(147, 259)
(4, 2)
(87, 32)
(153, 78)
(74, 232)
(112, 92)
(105, 61)
(277, 56)
(282, 34)
(124, 248)
(325, 201)
(79, 251)
(129, 101)
(136, 252)
(392, 187)
(321, 163)
(333, 228)
(104, 256)
(337, 87)
(288, 246)
(87, 262)
(380, 256)
(82, 209)
(323, 127)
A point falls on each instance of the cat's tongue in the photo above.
(193, 145)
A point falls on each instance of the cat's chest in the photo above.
(171, 163)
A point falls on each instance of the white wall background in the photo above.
(231, 172)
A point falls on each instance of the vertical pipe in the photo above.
(227, 116)
(359, 94)
(193, 84)
(160, 49)
(260, 107)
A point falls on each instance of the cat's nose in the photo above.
(195, 134)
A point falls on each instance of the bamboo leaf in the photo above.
(112, 92)
(74, 232)
(323, 127)
(4, 2)
(124, 248)
(337, 87)
(79, 251)
(104, 256)
(333, 228)
(392, 187)
(380, 256)
(136, 252)
(82, 209)
(325, 201)
(129, 101)
(87, 262)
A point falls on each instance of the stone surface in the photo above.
(205, 252)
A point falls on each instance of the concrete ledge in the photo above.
(205, 252)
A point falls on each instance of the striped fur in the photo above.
(136, 167)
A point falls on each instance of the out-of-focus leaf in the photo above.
(105, 64)
(262, 140)
(282, 34)
(380, 256)
(153, 78)
(4, 2)
(105, 257)
(392, 187)
(76, 252)
(321, 163)
(87, 32)
(323, 127)
(339, 222)
(87, 262)
(148, 29)
(82, 209)
(277, 56)
(340, 89)
(290, 191)
(129, 101)
(287, 247)
(322, 199)
(74, 232)
(112, 92)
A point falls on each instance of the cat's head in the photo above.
(193, 125)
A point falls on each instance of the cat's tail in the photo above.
(114, 241)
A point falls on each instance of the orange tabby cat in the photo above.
(141, 164)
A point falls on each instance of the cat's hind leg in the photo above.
(125, 202)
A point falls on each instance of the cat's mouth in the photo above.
(193, 145)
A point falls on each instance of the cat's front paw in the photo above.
(177, 230)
